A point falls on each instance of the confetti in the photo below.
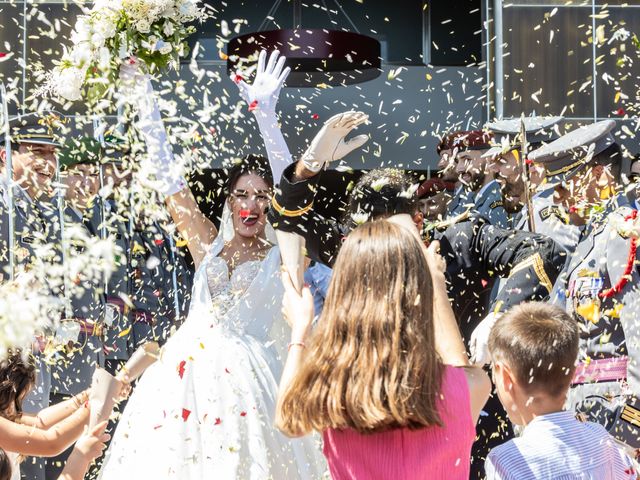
(125, 332)
(185, 414)
(253, 105)
(181, 366)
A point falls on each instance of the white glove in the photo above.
(329, 144)
(262, 98)
(136, 87)
(262, 95)
(479, 342)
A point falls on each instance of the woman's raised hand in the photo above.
(262, 95)
(330, 143)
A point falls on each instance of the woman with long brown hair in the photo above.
(386, 377)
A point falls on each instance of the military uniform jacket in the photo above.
(608, 319)
(109, 224)
(461, 202)
(74, 367)
(551, 220)
(476, 253)
(489, 204)
(35, 223)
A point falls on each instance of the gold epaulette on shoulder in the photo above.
(290, 213)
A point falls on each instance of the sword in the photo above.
(9, 173)
(525, 175)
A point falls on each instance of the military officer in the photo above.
(549, 217)
(599, 284)
(35, 138)
(78, 338)
(482, 191)
(447, 171)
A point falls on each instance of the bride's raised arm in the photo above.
(262, 97)
(198, 231)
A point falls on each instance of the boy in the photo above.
(534, 348)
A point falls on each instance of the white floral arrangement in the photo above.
(29, 308)
(24, 311)
(154, 31)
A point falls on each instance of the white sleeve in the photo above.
(159, 150)
(277, 150)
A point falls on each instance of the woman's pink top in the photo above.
(428, 453)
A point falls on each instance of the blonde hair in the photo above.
(371, 363)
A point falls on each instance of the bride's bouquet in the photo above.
(154, 31)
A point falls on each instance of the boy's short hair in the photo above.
(539, 343)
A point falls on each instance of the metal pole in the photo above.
(68, 311)
(98, 134)
(297, 14)
(9, 174)
(497, 21)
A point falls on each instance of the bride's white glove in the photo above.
(479, 342)
(330, 144)
(262, 97)
(136, 88)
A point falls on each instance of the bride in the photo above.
(205, 409)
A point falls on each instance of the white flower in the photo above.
(409, 192)
(80, 54)
(82, 31)
(143, 26)
(621, 35)
(104, 58)
(167, 28)
(67, 83)
(106, 23)
(166, 48)
(378, 184)
(360, 217)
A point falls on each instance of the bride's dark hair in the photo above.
(256, 164)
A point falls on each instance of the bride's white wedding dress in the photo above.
(206, 408)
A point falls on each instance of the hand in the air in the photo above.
(297, 308)
(330, 144)
(479, 342)
(262, 95)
